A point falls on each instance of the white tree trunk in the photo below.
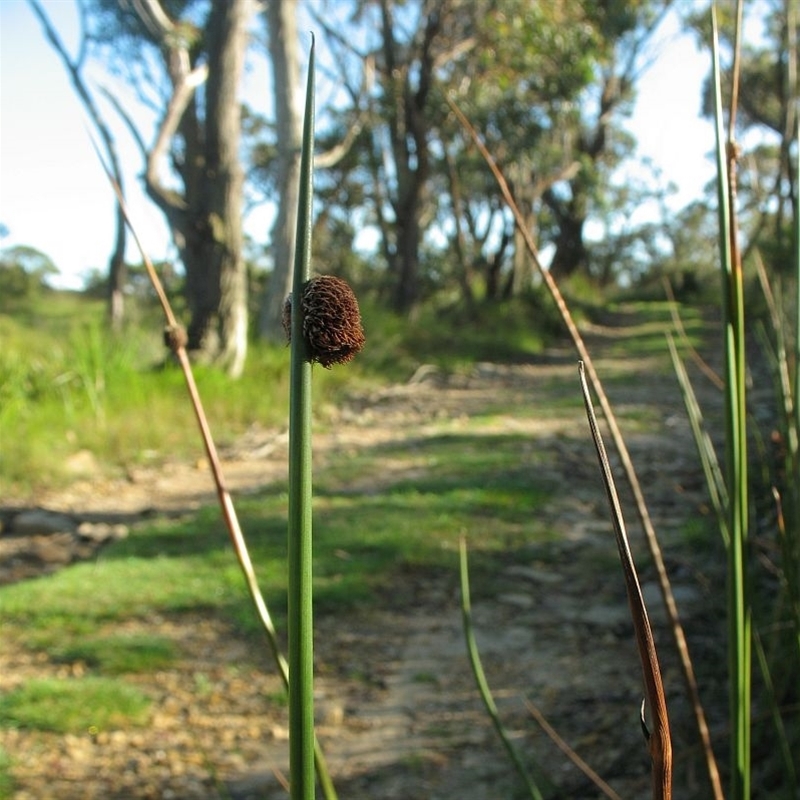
(281, 18)
(227, 44)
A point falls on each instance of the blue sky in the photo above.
(55, 197)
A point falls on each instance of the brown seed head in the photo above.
(331, 320)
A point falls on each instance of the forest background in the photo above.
(403, 200)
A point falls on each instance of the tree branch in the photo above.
(126, 118)
(168, 199)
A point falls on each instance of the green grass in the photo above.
(74, 705)
(77, 599)
(386, 518)
(372, 528)
(67, 385)
(6, 781)
(454, 339)
(647, 323)
(484, 485)
(117, 654)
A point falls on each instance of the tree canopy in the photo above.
(405, 208)
(767, 122)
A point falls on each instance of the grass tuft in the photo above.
(118, 654)
(77, 705)
(6, 780)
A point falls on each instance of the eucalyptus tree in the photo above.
(546, 85)
(526, 73)
(281, 21)
(396, 108)
(24, 271)
(576, 68)
(414, 46)
(185, 59)
(767, 120)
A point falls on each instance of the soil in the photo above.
(397, 709)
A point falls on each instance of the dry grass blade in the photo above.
(659, 742)
(715, 481)
(541, 720)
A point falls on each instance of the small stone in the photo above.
(533, 574)
(279, 732)
(100, 532)
(330, 713)
(41, 521)
(56, 548)
(83, 462)
(516, 599)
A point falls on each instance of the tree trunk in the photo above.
(283, 47)
(406, 291)
(408, 134)
(570, 254)
(206, 215)
(216, 274)
(116, 276)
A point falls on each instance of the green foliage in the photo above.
(488, 485)
(23, 274)
(455, 338)
(530, 41)
(66, 384)
(74, 705)
(117, 653)
(6, 781)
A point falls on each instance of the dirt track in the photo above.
(398, 713)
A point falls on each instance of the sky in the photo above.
(55, 197)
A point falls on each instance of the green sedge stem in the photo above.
(793, 545)
(480, 678)
(300, 611)
(739, 616)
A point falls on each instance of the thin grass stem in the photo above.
(791, 538)
(541, 720)
(677, 323)
(780, 729)
(715, 481)
(739, 612)
(796, 257)
(481, 682)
